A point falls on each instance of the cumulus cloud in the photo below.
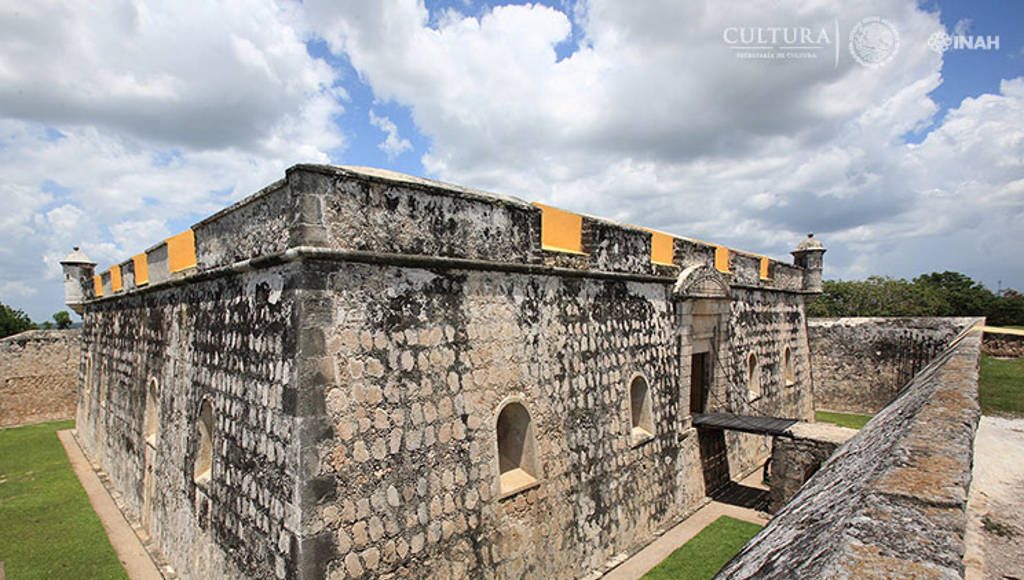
(393, 144)
(120, 120)
(652, 119)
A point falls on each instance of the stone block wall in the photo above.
(357, 335)
(1003, 344)
(860, 364)
(799, 455)
(424, 362)
(38, 376)
(892, 500)
(229, 341)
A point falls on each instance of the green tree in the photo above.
(62, 319)
(961, 295)
(13, 321)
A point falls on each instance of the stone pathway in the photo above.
(126, 543)
(995, 512)
(661, 548)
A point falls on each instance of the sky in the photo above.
(122, 123)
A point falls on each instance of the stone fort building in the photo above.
(356, 373)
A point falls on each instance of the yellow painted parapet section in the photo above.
(141, 269)
(560, 230)
(97, 285)
(662, 248)
(764, 268)
(115, 279)
(181, 251)
(722, 258)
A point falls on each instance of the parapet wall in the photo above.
(368, 214)
(38, 376)
(891, 502)
(860, 364)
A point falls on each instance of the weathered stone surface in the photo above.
(798, 456)
(890, 503)
(39, 376)
(1003, 344)
(357, 334)
(860, 364)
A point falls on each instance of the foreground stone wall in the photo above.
(38, 376)
(860, 364)
(891, 502)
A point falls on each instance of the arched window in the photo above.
(517, 449)
(753, 378)
(641, 412)
(151, 420)
(787, 366)
(204, 449)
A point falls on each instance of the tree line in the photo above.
(935, 294)
(13, 321)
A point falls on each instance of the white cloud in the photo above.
(393, 144)
(653, 120)
(119, 119)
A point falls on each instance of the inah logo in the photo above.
(874, 41)
(941, 41)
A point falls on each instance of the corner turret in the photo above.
(78, 271)
(808, 255)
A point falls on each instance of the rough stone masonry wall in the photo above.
(38, 376)
(798, 455)
(890, 503)
(229, 340)
(408, 313)
(1003, 344)
(425, 360)
(860, 364)
(420, 362)
(765, 324)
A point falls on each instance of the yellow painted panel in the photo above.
(141, 269)
(115, 278)
(560, 230)
(97, 285)
(181, 251)
(722, 258)
(662, 248)
(764, 268)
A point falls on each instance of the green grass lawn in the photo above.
(1001, 386)
(705, 554)
(48, 529)
(842, 419)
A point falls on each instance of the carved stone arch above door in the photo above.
(701, 281)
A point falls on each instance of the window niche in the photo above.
(641, 411)
(753, 378)
(787, 367)
(151, 420)
(204, 448)
(517, 450)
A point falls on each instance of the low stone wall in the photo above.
(39, 376)
(891, 502)
(1003, 342)
(795, 458)
(860, 364)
